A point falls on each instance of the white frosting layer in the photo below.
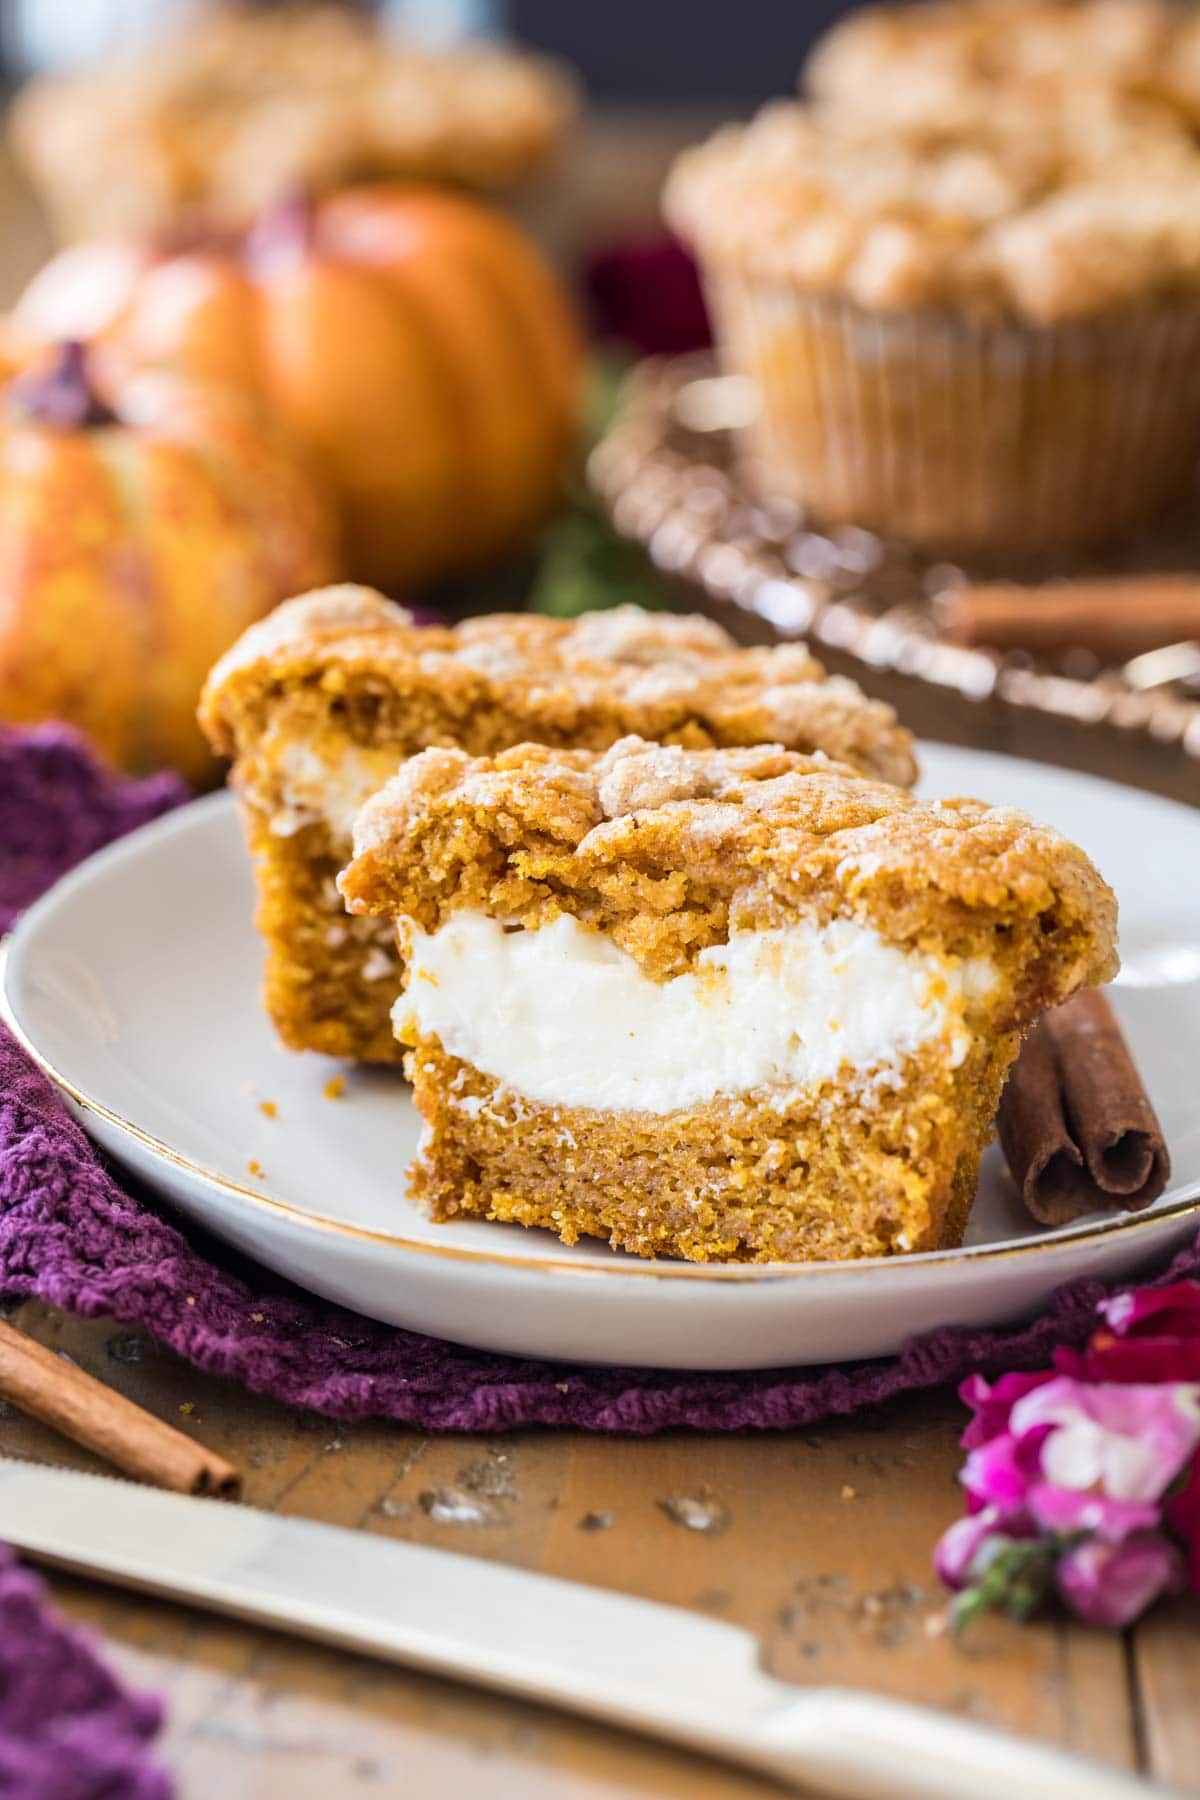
(564, 1016)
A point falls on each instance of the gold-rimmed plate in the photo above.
(134, 984)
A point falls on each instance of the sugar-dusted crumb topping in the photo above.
(941, 64)
(1035, 210)
(668, 850)
(241, 104)
(1032, 158)
(493, 680)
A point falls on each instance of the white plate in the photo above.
(134, 983)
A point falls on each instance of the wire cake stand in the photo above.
(672, 477)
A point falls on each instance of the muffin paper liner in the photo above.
(965, 434)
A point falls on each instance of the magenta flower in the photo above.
(993, 1404)
(1182, 1513)
(957, 1557)
(1077, 1487)
(1001, 1472)
(1069, 1511)
(1150, 1334)
(646, 293)
(966, 1549)
(1113, 1584)
(1174, 1310)
(1127, 1443)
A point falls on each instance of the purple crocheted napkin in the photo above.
(58, 804)
(70, 1234)
(68, 1729)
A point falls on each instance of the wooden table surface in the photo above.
(825, 1556)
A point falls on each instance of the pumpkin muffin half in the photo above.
(729, 1005)
(321, 704)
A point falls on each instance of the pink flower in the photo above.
(1075, 1486)
(993, 1403)
(1150, 1334)
(1001, 1472)
(1069, 1511)
(1182, 1513)
(1174, 1309)
(1112, 1584)
(1123, 1442)
(990, 1562)
(957, 1558)
(1117, 1443)
(1000, 1469)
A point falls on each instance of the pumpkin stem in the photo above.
(62, 395)
(283, 234)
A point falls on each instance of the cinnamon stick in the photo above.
(1076, 1124)
(56, 1392)
(1115, 617)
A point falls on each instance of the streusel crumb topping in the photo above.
(1035, 211)
(242, 103)
(587, 680)
(668, 850)
(945, 61)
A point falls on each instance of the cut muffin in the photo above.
(320, 704)
(729, 1005)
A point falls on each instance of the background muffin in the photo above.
(976, 335)
(244, 105)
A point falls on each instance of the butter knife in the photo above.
(655, 1669)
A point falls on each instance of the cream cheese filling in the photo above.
(563, 1016)
(329, 789)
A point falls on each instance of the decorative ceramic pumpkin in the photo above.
(137, 540)
(412, 340)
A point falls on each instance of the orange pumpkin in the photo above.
(138, 539)
(412, 340)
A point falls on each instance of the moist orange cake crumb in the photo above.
(321, 703)
(724, 1004)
